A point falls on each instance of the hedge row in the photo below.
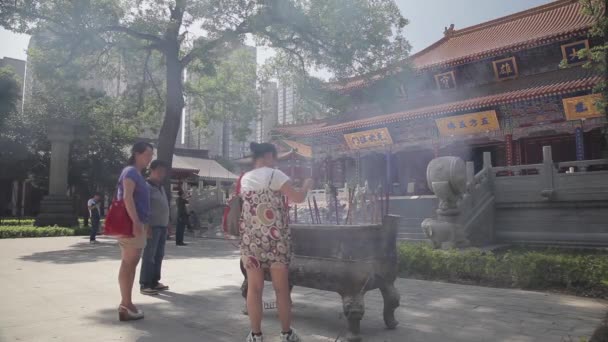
(579, 271)
(29, 221)
(17, 222)
(11, 232)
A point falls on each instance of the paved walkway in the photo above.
(62, 289)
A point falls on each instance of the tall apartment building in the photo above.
(286, 103)
(269, 116)
(18, 67)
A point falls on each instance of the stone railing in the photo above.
(551, 202)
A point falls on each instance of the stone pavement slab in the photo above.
(63, 289)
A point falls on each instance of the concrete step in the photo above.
(406, 240)
(403, 235)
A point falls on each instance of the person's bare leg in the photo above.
(255, 289)
(280, 281)
(126, 275)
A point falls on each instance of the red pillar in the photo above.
(509, 149)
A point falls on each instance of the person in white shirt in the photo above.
(266, 238)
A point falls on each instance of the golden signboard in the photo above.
(582, 107)
(468, 123)
(367, 139)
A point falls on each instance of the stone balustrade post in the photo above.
(470, 167)
(548, 173)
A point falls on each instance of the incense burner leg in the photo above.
(354, 309)
(391, 303)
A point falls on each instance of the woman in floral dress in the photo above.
(265, 237)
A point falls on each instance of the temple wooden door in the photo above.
(563, 149)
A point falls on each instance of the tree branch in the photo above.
(132, 33)
(227, 36)
(31, 15)
(160, 97)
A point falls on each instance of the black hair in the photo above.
(260, 150)
(159, 163)
(97, 193)
(139, 148)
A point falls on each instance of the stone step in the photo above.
(412, 235)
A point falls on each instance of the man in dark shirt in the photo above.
(182, 217)
(94, 205)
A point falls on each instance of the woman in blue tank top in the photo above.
(133, 189)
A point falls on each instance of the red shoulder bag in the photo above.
(118, 222)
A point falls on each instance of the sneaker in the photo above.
(291, 337)
(252, 338)
(148, 291)
(93, 242)
(161, 287)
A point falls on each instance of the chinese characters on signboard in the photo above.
(582, 107)
(446, 80)
(468, 123)
(367, 139)
(570, 52)
(505, 69)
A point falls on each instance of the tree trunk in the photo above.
(173, 110)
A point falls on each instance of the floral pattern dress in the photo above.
(265, 234)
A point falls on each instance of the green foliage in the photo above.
(27, 231)
(576, 271)
(103, 130)
(598, 55)
(229, 93)
(17, 222)
(346, 37)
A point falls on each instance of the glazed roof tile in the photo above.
(537, 26)
(529, 88)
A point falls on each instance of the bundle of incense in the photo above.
(349, 213)
(317, 214)
(335, 193)
(312, 218)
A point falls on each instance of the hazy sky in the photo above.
(427, 21)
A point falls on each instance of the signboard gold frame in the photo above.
(367, 139)
(468, 124)
(582, 107)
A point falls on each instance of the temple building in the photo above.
(294, 158)
(508, 86)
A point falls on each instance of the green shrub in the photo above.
(17, 222)
(12, 232)
(579, 271)
(82, 231)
